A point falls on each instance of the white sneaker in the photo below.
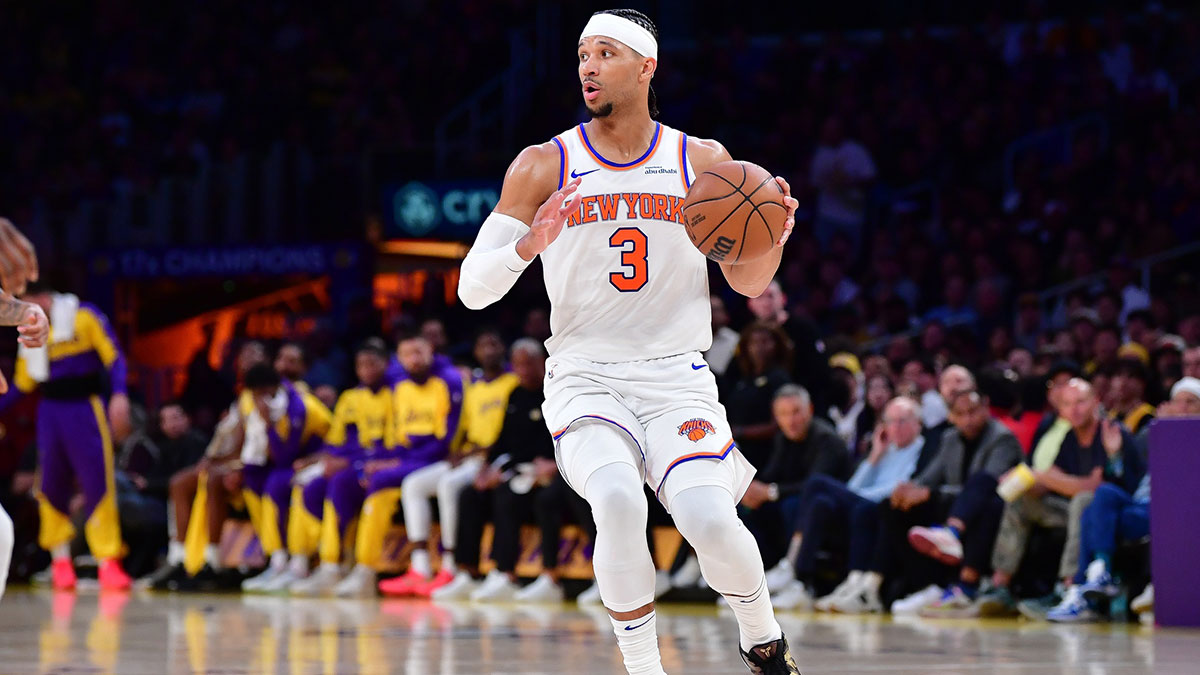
(848, 587)
(912, 604)
(496, 587)
(543, 589)
(590, 597)
(862, 601)
(938, 543)
(688, 575)
(360, 583)
(1144, 602)
(780, 575)
(256, 583)
(319, 582)
(458, 589)
(280, 583)
(662, 584)
(793, 596)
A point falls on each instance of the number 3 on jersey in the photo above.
(634, 271)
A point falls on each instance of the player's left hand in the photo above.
(34, 328)
(792, 204)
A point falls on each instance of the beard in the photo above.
(603, 111)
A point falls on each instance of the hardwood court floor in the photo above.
(41, 632)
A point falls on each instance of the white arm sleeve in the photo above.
(493, 264)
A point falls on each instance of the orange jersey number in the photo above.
(634, 272)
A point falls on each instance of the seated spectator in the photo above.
(963, 477)
(880, 390)
(828, 506)
(1115, 517)
(804, 447)
(199, 500)
(144, 472)
(484, 404)
(764, 359)
(426, 406)
(725, 339)
(285, 425)
(357, 433)
(1128, 385)
(920, 373)
(1053, 427)
(847, 399)
(1094, 452)
(516, 484)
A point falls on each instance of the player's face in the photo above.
(369, 368)
(290, 362)
(416, 355)
(608, 73)
(489, 351)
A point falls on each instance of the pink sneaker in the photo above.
(405, 584)
(62, 575)
(938, 543)
(443, 577)
(113, 576)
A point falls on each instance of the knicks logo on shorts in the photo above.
(696, 429)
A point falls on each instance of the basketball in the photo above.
(734, 212)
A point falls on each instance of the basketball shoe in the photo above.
(113, 577)
(772, 658)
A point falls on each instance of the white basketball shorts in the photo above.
(668, 408)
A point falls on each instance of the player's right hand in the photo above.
(549, 220)
(18, 262)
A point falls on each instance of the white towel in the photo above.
(255, 447)
(63, 308)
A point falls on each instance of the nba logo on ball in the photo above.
(696, 429)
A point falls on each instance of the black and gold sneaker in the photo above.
(771, 658)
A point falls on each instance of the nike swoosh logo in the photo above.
(581, 175)
(639, 625)
(699, 367)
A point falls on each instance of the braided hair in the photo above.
(645, 22)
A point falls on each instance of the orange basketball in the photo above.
(734, 212)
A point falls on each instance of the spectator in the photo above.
(725, 339)
(1105, 347)
(1129, 396)
(828, 506)
(1054, 427)
(879, 391)
(921, 374)
(1191, 362)
(145, 467)
(963, 479)
(841, 170)
(956, 308)
(804, 446)
(1093, 452)
(848, 400)
(764, 359)
(810, 368)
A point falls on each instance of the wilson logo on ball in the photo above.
(696, 429)
(722, 248)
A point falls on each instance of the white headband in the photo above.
(618, 28)
(1189, 384)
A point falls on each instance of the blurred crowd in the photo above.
(934, 432)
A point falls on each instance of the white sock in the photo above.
(638, 640)
(212, 556)
(448, 563)
(279, 560)
(871, 581)
(61, 551)
(419, 562)
(299, 565)
(176, 553)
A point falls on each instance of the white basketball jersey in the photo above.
(625, 282)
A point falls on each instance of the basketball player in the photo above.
(628, 397)
(18, 265)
